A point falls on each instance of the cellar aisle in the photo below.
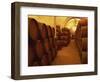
(67, 55)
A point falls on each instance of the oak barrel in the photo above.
(43, 30)
(84, 44)
(83, 22)
(33, 30)
(49, 31)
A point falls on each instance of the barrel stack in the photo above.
(82, 39)
(62, 37)
(41, 43)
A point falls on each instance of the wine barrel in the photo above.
(59, 44)
(44, 61)
(43, 30)
(84, 57)
(65, 37)
(32, 56)
(53, 47)
(52, 42)
(84, 31)
(49, 31)
(33, 29)
(83, 22)
(47, 49)
(39, 49)
(58, 38)
(84, 44)
(66, 42)
(53, 32)
(58, 28)
(58, 33)
(65, 33)
(65, 30)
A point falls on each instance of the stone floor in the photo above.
(67, 55)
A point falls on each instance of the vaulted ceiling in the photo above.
(63, 21)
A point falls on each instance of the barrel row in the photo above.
(40, 53)
(82, 33)
(62, 37)
(81, 38)
(41, 43)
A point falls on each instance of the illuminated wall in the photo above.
(49, 20)
(62, 21)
